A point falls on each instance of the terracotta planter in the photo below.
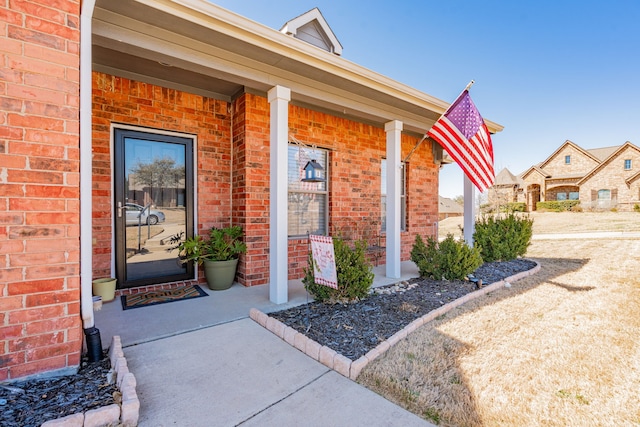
(220, 274)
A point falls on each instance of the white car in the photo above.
(150, 216)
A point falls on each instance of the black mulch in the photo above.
(353, 329)
(31, 403)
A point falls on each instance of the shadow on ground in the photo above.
(423, 373)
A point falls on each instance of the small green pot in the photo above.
(220, 274)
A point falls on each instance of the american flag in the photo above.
(462, 132)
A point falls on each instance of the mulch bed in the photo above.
(353, 329)
(31, 403)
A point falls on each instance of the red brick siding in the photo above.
(40, 326)
(251, 185)
(124, 101)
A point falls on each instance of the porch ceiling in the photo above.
(196, 46)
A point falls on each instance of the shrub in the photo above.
(352, 269)
(558, 205)
(450, 259)
(514, 207)
(636, 208)
(503, 239)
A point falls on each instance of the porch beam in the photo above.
(279, 97)
(394, 165)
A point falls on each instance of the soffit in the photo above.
(214, 52)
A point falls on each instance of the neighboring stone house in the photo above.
(205, 116)
(507, 189)
(601, 178)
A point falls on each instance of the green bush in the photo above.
(558, 205)
(503, 239)
(354, 272)
(514, 207)
(450, 259)
(636, 208)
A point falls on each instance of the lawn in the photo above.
(564, 222)
(560, 348)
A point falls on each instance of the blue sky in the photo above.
(548, 71)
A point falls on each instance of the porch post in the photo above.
(394, 163)
(469, 211)
(279, 98)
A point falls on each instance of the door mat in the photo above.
(146, 299)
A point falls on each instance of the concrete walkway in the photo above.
(203, 362)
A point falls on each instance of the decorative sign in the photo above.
(324, 261)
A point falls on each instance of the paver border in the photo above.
(352, 368)
(125, 414)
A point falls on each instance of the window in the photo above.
(567, 160)
(574, 195)
(403, 197)
(627, 164)
(561, 196)
(307, 201)
(604, 194)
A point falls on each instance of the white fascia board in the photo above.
(209, 15)
(204, 58)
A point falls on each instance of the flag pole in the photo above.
(469, 85)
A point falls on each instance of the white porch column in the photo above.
(86, 159)
(279, 98)
(469, 211)
(394, 163)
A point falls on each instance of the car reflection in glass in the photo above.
(150, 216)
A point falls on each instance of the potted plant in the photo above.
(219, 254)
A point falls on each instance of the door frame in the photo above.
(192, 195)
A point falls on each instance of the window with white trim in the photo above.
(627, 164)
(308, 202)
(567, 160)
(403, 197)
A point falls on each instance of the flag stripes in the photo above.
(474, 154)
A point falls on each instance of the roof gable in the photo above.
(506, 178)
(562, 147)
(537, 169)
(623, 148)
(312, 28)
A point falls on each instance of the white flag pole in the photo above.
(469, 211)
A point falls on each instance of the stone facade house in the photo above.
(206, 117)
(601, 178)
(506, 189)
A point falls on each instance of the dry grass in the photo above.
(563, 222)
(560, 348)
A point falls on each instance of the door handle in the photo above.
(120, 209)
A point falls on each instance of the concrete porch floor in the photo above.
(144, 324)
(204, 362)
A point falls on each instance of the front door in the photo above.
(153, 206)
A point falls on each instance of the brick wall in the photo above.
(251, 183)
(355, 154)
(612, 176)
(580, 163)
(120, 100)
(40, 326)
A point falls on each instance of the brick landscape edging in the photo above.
(125, 414)
(352, 368)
